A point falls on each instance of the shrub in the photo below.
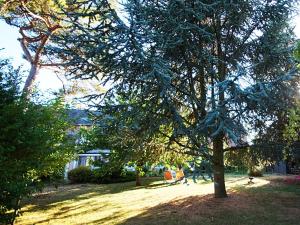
(113, 177)
(81, 174)
(255, 173)
(130, 175)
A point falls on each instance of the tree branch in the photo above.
(53, 64)
(25, 50)
(40, 48)
(34, 15)
(247, 146)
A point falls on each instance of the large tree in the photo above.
(34, 142)
(203, 68)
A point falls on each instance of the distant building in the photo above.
(87, 159)
(81, 119)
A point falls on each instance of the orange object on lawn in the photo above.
(168, 175)
(179, 175)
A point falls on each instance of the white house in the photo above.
(86, 159)
(80, 118)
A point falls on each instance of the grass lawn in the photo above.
(268, 201)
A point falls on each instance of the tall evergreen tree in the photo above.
(205, 68)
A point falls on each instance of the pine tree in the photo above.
(204, 68)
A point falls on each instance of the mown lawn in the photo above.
(268, 201)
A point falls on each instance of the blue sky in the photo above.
(13, 50)
(47, 79)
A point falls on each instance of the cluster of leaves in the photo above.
(34, 142)
(161, 63)
(124, 127)
(297, 51)
(292, 134)
(37, 20)
(255, 157)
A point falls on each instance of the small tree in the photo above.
(33, 143)
(292, 134)
(122, 127)
(297, 51)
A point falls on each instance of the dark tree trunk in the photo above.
(218, 167)
(138, 179)
(16, 211)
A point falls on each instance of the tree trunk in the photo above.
(218, 167)
(138, 178)
(28, 87)
(16, 211)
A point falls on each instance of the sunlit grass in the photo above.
(125, 203)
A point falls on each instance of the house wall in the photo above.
(85, 159)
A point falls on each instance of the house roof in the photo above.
(80, 117)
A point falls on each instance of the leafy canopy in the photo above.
(203, 69)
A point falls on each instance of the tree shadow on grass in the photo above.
(66, 214)
(190, 210)
(270, 204)
(76, 192)
(248, 207)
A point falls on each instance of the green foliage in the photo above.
(200, 70)
(34, 142)
(123, 128)
(35, 16)
(297, 51)
(187, 70)
(292, 134)
(255, 157)
(292, 128)
(9, 82)
(37, 21)
(81, 174)
(117, 176)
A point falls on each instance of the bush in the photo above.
(114, 177)
(255, 173)
(129, 176)
(293, 180)
(81, 174)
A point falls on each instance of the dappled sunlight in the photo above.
(257, 182)
(117, 203)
